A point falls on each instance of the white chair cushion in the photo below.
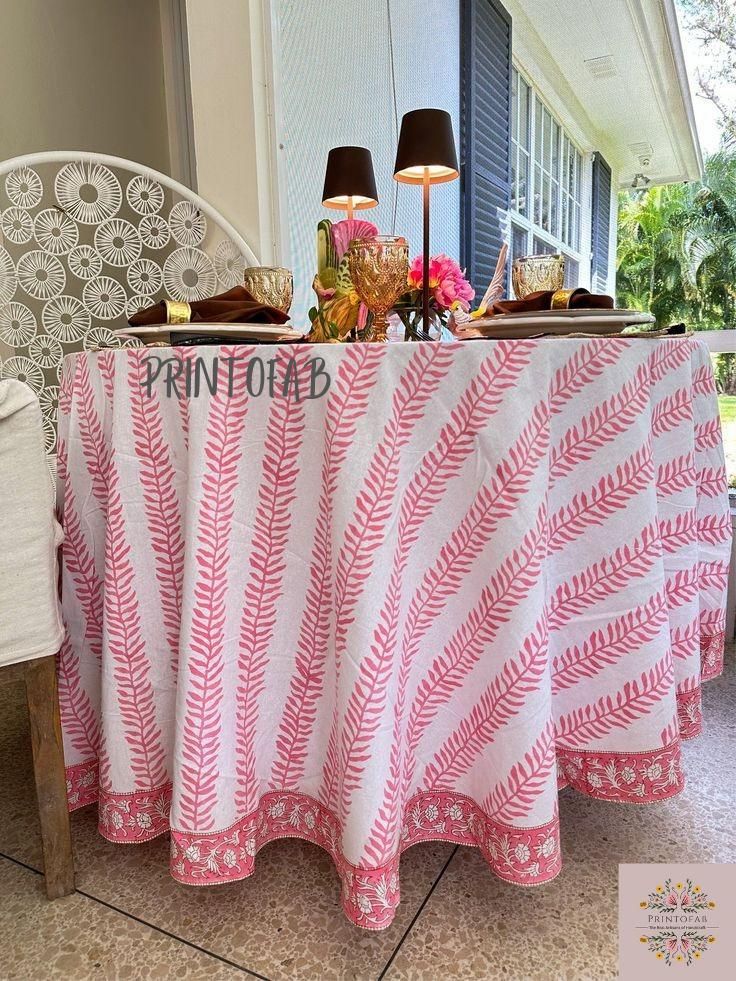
(30, 619)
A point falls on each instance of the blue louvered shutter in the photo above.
(485, 139)
(600, 223)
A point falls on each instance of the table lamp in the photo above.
(350, 184)
(426, 155)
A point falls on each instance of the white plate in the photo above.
(161, 333)
(629, 316)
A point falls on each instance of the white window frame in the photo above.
(526, 223)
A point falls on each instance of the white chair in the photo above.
(87, 239)
(31, 629)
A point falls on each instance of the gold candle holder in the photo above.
(379, 268)
(273, 285)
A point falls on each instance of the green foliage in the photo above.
(677, 249)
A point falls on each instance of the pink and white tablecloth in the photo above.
(411, 608)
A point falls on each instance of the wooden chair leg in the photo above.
(48, 768)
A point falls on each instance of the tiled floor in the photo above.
(129, 919)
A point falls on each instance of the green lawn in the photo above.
(727, 405)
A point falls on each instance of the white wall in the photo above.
(83, 75)
(334, 65)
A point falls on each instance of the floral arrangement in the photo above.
(450, 291)
(339, 311)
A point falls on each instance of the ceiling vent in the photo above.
(601, 67)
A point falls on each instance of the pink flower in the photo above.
(447, 282)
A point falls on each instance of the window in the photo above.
(546, 182)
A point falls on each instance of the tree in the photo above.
(677, 249)
(714, 23)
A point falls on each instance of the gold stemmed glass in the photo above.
(379, 268)
(270, 284)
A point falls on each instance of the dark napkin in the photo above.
(542, 300)
(237, 306)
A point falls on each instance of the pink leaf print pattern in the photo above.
(609, 419)
(685, 640)
(202, 723)
(614, 572)
(78, 717)
(678, 532)
(502, 699)
(515, 797)
(714, 529)
(623, 636)
(667, 357)
(347, 404)
(708, 435)
(135, 696)
(597, 719)
(588, 362)
(712, 482)
(681, 588)
(675, 475)
(163, 513)
(264, 588)
(425, 490)
(80, 564)
(507, 588)
(702, 380)
(496, 500)
(671, 411)
(364, 535)
(609, 495)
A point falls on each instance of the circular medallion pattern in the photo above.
(145, 276)
(25, 370)
(41, 275)
(45, 351)
(229, 264)
(24, 187)
(145, 196)
(17, 324)
(88, 192)
(187, 223)
(104, 298)
(154, 231)
(16, 225)
(66, 319)
(49, 401)
(8, 279)
(118, 242)
(189, 275)
(85, 262)
(55, 232)
(99, 337)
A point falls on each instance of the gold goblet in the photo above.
(530, 273)
(379, 268)
(270, 284)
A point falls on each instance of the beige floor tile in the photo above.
(474, 926)
(285, 921)
(78, 939)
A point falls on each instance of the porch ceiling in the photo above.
(640, 100)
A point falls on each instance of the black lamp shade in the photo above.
(349, 174)
(426, 142)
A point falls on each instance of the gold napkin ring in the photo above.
(177, 312)
(561, 299)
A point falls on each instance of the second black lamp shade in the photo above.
(426, 155)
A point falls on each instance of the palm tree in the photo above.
(677, 249)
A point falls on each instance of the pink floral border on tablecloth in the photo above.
(524, 856)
